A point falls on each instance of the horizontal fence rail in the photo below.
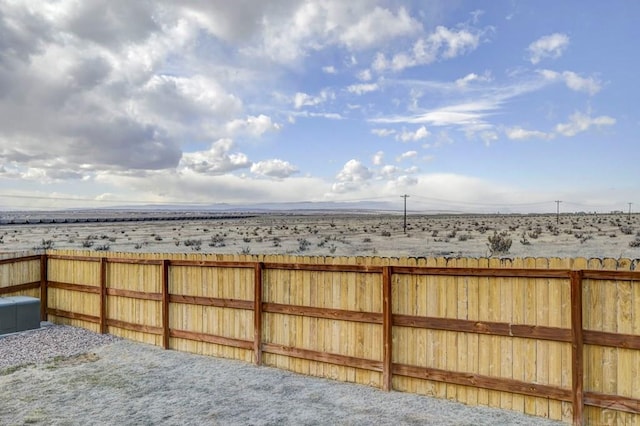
(475, 333)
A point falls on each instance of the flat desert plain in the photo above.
(328, 234)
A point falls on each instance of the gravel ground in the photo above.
(66, 376)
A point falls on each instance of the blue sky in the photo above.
(463, 105)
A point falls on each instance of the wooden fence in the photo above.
(557, 338)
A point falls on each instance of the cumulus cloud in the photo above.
(216, 160)
(379, 25)
(378, 158)
(274, 168)
(549, 46)
(579, 122)
(301, 99)
(253, 126)
(407, 136)
(364, 75)
(574, 81)
(407, 155)
(354, 171)
(301, 27)
(389, 171)
(442, 43)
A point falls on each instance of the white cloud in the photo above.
(302, 27)
(518, 133)
(254, 126)
(388, 171)
(580, 84)
(407, 136)
(383, 132)
(360, 89)
(442, 43)
(380, 25)
(364, 75)
(488, 136)
(550, 46)
(468, 115)
(573, 81)
(354, 171)
(407, 155)
(274, 168)
(378, 158)
(327, 115)
(301, 99)
(216, 160)
(464, 81)
(579, 122)
(330, 69)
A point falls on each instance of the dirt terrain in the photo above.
(328, 234)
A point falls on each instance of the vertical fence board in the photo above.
(577, 347)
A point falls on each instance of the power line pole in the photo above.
(405, 196)
(629, 211)
(558, 211)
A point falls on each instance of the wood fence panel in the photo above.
(614, 308)
(83, 272)
(328, 294)
(20, 276)
(222, 286)
(68, 306)
(129, 316)
(22, 272)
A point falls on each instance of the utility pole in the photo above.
(405, 196)
(629, 211)
(558, 211)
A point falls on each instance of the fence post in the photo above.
(577, 348)
(257, 312)
(387, 329)
(165, 303)
(43, 287)
(103, 295)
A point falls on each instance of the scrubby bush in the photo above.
(303, 244)
(46, 245)
(195, 245)
(627, 230)
(499, 243)
(216, 241)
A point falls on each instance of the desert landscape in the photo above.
(334, 233)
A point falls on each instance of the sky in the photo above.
(500, 106)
